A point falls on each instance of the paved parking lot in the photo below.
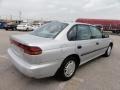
(100, 74)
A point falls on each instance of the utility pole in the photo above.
(6, 18)
(20, 15)
(10, 17)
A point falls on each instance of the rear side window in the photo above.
(83, 32)
(96, 33)
(72, 33)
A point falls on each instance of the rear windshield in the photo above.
(50, 30)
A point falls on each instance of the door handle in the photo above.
(79, 47)
(97, 43)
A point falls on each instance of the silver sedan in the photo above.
(57, 49)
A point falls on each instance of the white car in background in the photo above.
(24, 26)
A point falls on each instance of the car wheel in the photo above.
(67, 69)
(27, 29)
(14, 29)
(108, 52)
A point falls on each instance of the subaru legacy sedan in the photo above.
(57, 49)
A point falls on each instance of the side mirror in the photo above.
(105, 35)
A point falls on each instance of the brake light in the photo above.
(31, 50)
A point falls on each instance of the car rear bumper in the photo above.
(9, 27)
(21, 28)
(36, 71)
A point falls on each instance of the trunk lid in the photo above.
(45, 44)
(28, 40)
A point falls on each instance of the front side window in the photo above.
(96, 33)
(83, 32)
(50, 30)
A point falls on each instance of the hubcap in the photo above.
(69, 68)
(109, 50)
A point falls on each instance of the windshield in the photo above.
(50, 30)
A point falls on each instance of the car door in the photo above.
(85, 45)
(101, 43)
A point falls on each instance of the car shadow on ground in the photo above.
(91, 62)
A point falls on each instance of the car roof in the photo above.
(80, 23)
(73, 23)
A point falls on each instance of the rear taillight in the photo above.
(31, 50)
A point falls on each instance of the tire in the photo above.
(27, 29)
(108, 51)
(6, 29)
(14, 29)
(113, 31)
(67, 69)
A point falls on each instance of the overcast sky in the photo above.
(61, 9)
